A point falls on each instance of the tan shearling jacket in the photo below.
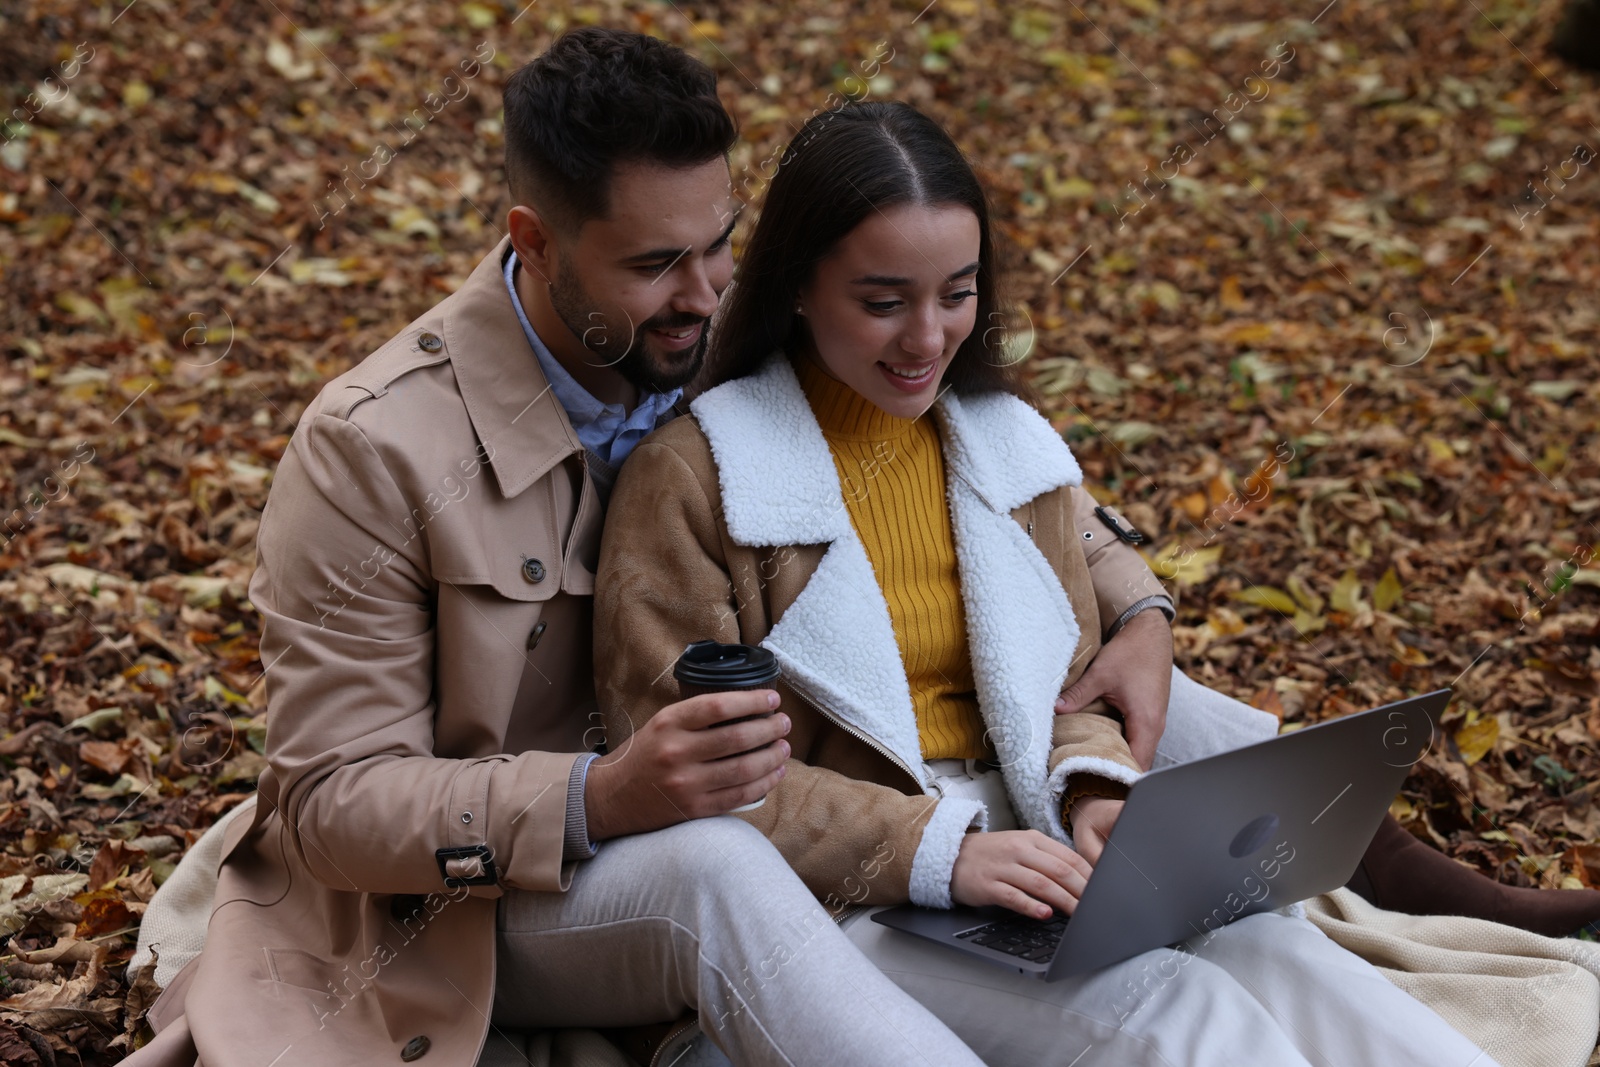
(731, 525)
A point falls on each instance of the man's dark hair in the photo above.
(843, 166)
(599, 97)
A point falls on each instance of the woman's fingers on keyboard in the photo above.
(1044, 890)
(1023, 870)
(1023, 904)
(1067, 879)
(1056, 850)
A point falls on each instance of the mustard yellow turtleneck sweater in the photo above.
(892, 473)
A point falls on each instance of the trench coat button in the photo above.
(415, 1049)
(537, 632)
(430, 343)
(533, 570)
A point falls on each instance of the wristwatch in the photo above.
(1158, 601)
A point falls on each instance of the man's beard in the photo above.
(643, 369)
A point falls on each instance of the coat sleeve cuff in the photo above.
(529, 849)
(935, 860)
(1057, 786)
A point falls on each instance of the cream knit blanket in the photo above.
(1528, 1001)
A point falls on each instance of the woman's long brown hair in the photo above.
(842, 166)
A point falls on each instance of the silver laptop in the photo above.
(1202, 844)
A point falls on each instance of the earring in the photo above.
(798, 310)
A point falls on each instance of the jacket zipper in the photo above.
(870, 742)
(672, 1035)
(858, 734)
(847, 912)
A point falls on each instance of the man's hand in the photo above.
(1019, 869)
(1092, 820)
(1133, 672)
(685, 764)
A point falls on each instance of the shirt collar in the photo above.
(605, 429)
(581, 404)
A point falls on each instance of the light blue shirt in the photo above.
(607, 430)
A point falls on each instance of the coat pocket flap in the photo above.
(513, 546)
(524, 577)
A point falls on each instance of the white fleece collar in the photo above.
(779, 484)
(835, 643)
(1004, 449)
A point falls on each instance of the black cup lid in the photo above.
(712, 665)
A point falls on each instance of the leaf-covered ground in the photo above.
(1310, 286)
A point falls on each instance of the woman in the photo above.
(866, 494)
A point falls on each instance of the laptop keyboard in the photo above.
(1026, 939)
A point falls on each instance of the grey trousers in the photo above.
(706, 916)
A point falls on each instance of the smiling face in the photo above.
(629, 295)
(889, 306)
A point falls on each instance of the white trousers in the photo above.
(708, 916)
(1267, 991)
(1203, 722)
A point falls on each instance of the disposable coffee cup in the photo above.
(711, 667)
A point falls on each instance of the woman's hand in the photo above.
(1092, 820)
(1023, 870)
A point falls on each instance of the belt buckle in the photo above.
(483, 853)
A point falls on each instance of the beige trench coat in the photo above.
(425, 577)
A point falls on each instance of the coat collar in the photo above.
(836, 643)
(513, 410)
(762, 423)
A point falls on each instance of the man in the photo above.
(436, 852)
